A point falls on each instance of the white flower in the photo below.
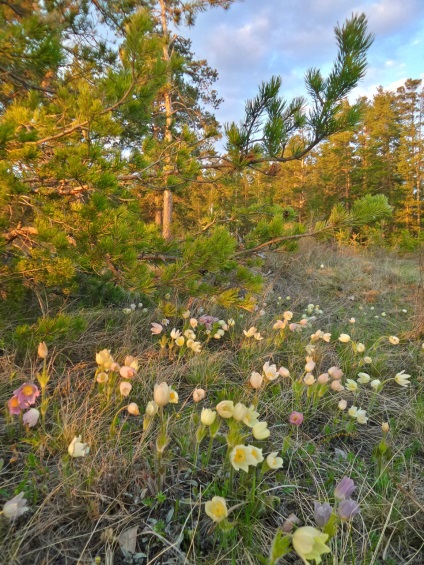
(367, 360)
(15, 507)
(189, 334)
(364, 378)
(251, 418)
(161, 394)
(360, 347)
(342, 405)
(284, 372)
(260, 430)
(402, 379)
(208, 416)
(186, 314)
(375, 384)
(309, 379)
(352, 320)
(152, 408)
(175, 334)
(394, 340)
(353, 411)
(256, 380)
(231, 322)
(78, 449)
(270, 371)
(361, 417)
(225, 408)
(240, 411)
(30, 418)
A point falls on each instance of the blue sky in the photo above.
(256, 39)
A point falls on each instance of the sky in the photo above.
(256, 39)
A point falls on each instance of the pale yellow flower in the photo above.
(216, 508)
(258, 336)
(273, 461)
(161, 394)
(78, 449)
(152, 408)
(198, 394)
(250, 332)
(125, 388)
(240, 411)
(394, 340)
(344, 338)
(102, 378)
(208, 416)
(225, 408)
(180, 341)
(351, 385)
(133, 409)
(104, 358)
(270, 371)
(367, 360)
(175, 334)
(402, 379)
(360, 347)
(260, 430)
(309, 544)
(323, 378)
(288, 315)
(256, 380)
(251, 418)
(385, 427)
(309, 379)
(257, 454)
(279, 325)
(284, 372)
(173, 396)
(342, 405)
(363, 378)
(241, 457)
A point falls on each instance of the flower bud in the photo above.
(161, 394)
(42, 350)
(133, 409)
(208, 416)
(198, 394)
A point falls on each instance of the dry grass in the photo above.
(80, 507)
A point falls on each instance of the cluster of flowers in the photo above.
(24, 397)
(134, 307)
(312, 309)
(402, 379)
(345, 506)
(269, 374)
(108, 368)
(211, 326)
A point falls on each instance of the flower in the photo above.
(216, 508)
(126, 372)
(152, 408)
(322, 513)
(360, 347)
(367, 360)
(361, 417)
(353, 411)
(296, 418)
(14, 405)
(225, 408)
(31, 417)
(279, 325)
(344, 488)
(15, 507)
(335, 373)
(27, 393)
(161, 394)
(375, 384)
(258, 336)
(270, 371)
(364, 378)
(284, 372)
(310, 365)
(78, 449)
(241, 457)
(193, 322)
(344, 338)
(115, 368)
(133, 409)
(342, 405)
(240, 411)
(351, 385)
(256, 380)
(250, 332)
(385, 427)
(198, 394)
(208, 416)
(175, 334)
(260, 430)
(125, 388)
(337, 386)
(402, 379)
(104, 358)
(257, 453)
(173, 396)
(394, 340)
(323, 378)
(309, 544)
(156, 329)
(186, 314)
(309, 379)
(189, 334)
(347, 509)
(102, 377)
(180, 341)
(42, 350)
(273, 461)
(251, 418)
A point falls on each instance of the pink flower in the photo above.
(27, 393)
(198, 394)
(156, 328)
(127, 372)
(125, 388)
(31, 417)
(296, 418)
(14, 405)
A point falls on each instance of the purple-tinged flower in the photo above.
(14, 405)
(207, 321)
(296, 418)
(348, 509)
(27, 393)
(31, 417)
(322, 513)
(344, 489)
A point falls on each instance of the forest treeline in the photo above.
(110, 177)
